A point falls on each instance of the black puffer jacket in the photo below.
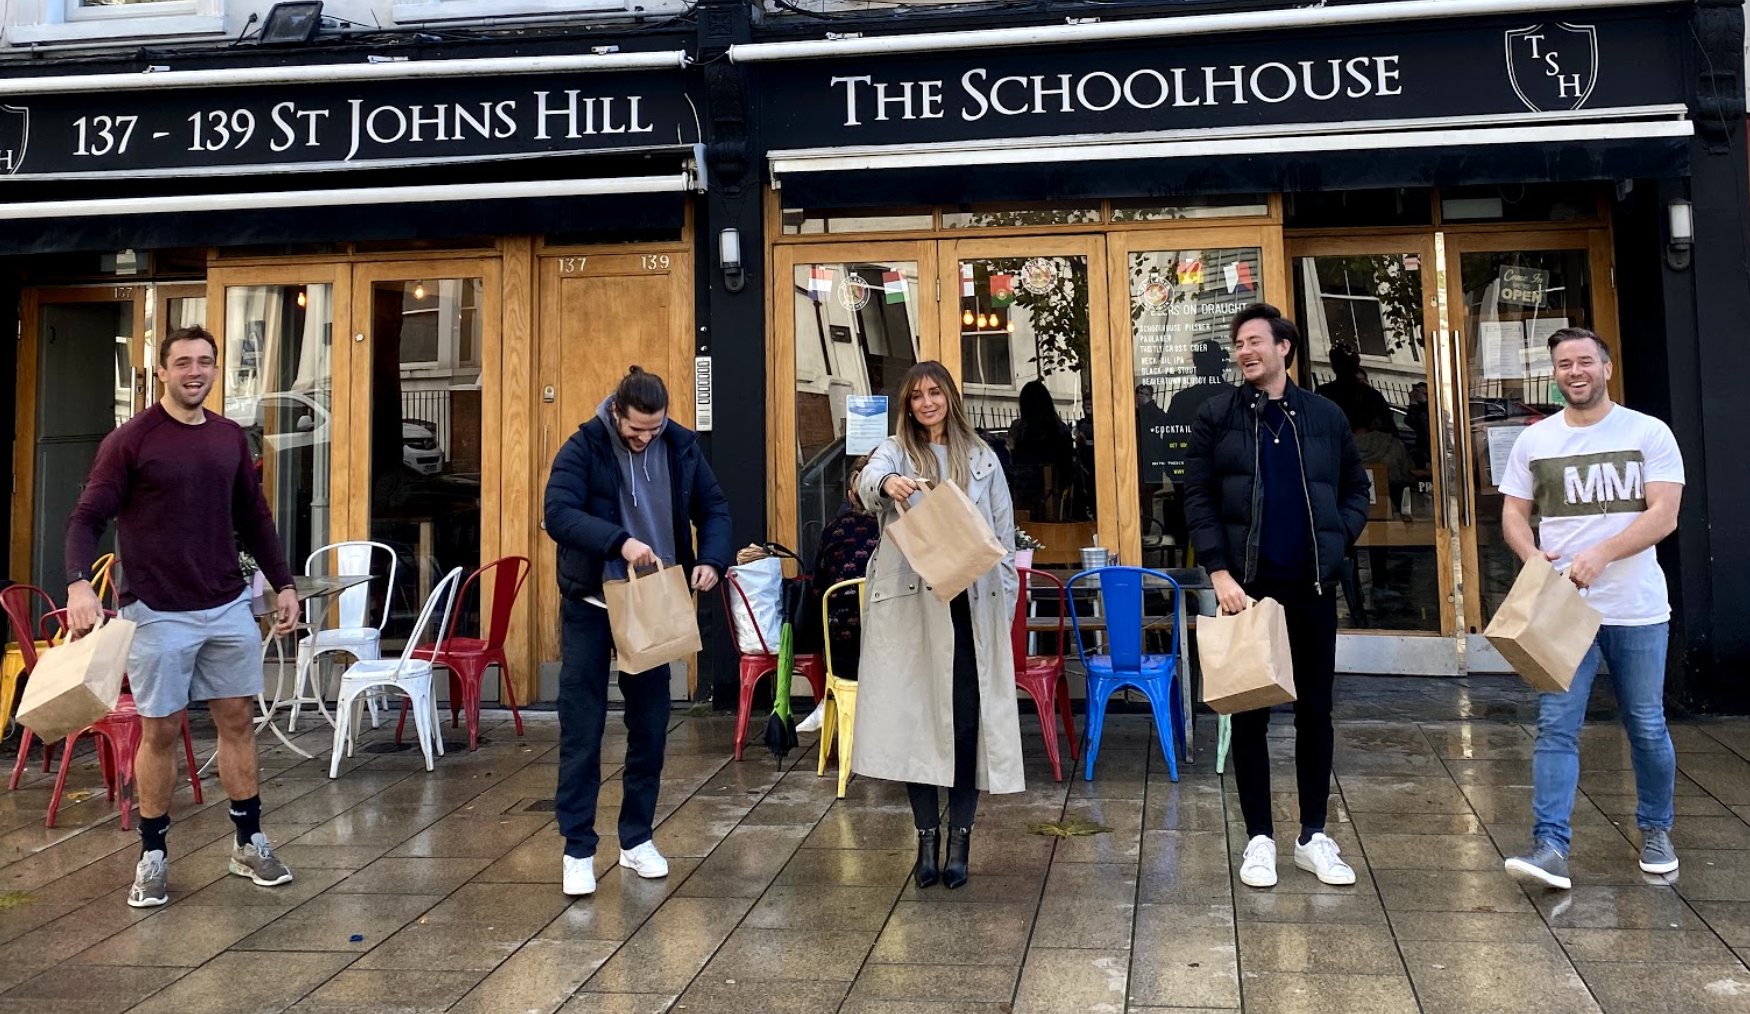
(1222, 499)
(582, 506)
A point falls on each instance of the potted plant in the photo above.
(1024, 546)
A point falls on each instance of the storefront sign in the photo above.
(1524, 286)
(1459, 68)
(266, 127)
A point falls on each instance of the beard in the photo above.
(1594, 394)
(188, 399)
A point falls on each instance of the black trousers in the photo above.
(926, 801)
(1312, 642)
(583, 715)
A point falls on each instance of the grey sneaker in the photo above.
(151, 884)
(1545, 865)
(1657, 855)
(257, 862)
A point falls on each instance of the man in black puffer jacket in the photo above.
(626, 490)
(1274, 497)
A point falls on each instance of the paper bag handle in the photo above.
(1250, 602)
(922, 483)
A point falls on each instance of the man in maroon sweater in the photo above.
(180, 485)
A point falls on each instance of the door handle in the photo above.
(1462, 454)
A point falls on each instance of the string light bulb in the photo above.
(303, 300)
(1011, 327)
(418, 290)
(966, 318)
(982, 321)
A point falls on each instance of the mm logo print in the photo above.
(1553, 68)
(14, 137)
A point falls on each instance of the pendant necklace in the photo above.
(1275, 431)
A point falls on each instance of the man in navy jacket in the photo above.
(626, 490)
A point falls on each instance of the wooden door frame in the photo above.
(1195, 234)
(781, 456)
(1421, 243)
(31, 303)
(550, 268)
(1596, 241)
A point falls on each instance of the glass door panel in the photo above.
(1364, 318)
(278, 372)
(1181, 304)
(1509, 302)
(858, 326)
(1028, 342)
(426, 332)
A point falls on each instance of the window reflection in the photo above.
(279, 381)
(857, 327)
(1181, 303)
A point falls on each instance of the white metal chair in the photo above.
(352, 633)
(411, 676)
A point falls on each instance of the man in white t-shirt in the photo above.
(1605, 482)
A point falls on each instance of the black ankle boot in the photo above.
(929, 868)
(959, 843)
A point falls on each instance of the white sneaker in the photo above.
(1319, 856)
(645, 861)
(1258, 868)
(815, 719)
(579, 876)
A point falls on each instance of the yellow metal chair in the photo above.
(100, 569)
(840, 696)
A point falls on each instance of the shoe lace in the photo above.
(1259, 851)
(263, 849)
(1324, 851)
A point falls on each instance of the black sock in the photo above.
(152, 832)
(246, 814)
(1306, 834)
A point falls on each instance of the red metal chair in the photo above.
(21, 603)
(468, 658)
(1043, 676)
(754, 667)
(118, 737)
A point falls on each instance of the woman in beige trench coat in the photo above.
(936, 687)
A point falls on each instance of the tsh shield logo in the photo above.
(1553, 68)
(14, 137)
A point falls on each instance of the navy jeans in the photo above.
(583, 714)
(1637, 665)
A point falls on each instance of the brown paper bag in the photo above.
(77, 683)
(946, 540)
(1245, 658)
(653, 619)
(1545, 627)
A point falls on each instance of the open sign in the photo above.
(1524, 286)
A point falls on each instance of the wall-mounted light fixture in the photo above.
(1679, 235)
(294, 23)
(729, 259)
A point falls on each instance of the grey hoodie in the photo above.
(646, 495)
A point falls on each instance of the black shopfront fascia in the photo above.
(836, 145)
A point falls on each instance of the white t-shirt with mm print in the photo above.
(1587, 484)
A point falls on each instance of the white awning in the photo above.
(326, 73)
(1190, 25)
(1354, 135)
(359, 196)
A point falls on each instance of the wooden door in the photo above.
(600, 315)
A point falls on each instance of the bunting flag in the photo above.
(1232, 273)
(1002, 290)
(1191, 272)
(1246, 283)
(819, 282)
(966, 286)
(894, 285)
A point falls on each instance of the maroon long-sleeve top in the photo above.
(180, 496)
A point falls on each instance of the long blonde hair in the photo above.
(914, 438)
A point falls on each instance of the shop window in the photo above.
(411, 12)
(857, 333)
(1352, 209)
(40, 21)
(1021, 213)
(1520, 202)
(1181, 305)
(836, 221)
(1150, 209)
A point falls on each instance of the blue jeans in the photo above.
(1637, 664)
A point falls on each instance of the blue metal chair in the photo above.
(1121, 591)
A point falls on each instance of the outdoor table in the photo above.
(307, 587)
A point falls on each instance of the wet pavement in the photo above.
(435, 892)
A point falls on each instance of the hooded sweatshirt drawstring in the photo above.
(632, 476)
